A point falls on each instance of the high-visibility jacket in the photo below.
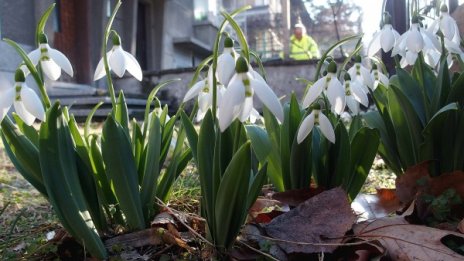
(304, 49)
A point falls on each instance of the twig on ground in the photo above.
(171, 211)
(257, 250)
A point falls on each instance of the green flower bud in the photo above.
(357, 59)
(444, 8)
(228, 42)
(316, 106)
(374, 66)
(332, 68)
(19, 76)
(347, 77)
(241, 65)
(43, 38)
(116, 39)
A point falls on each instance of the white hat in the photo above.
(299, 25)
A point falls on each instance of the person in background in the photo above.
(302, 46)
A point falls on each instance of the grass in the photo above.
(27, 216)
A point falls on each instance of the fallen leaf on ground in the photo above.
(374, 206)
(362, 251)
(409, 184)
(314, 225)
(295, 197)
(253, 234)
(407, 242)
(461, 226)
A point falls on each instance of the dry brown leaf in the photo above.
(295, 197)
(375, 206)
(316, 223)
(407, 242)
(454, 180)
(409, 184)
(461, 226)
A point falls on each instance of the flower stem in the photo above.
(105, 56)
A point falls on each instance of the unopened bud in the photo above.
(241, 65)
(19, 76)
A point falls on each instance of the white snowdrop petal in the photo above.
(204, 101)
(446, 26)
(7, 98)
(452, 47)
(314, 91)
(431, 39)
(415, 42)
(383, 79)
(374, 45)
(326, 128)
(358, 94)
(352, 105)
(387, 38)
(305, 128)
(32, 103)
(62, 61)
(51, 69)
(100, 70)
(225, 68)
(368, 80)
(200, 115)
(411, 57)
(34, 56)
(230, 108)
(117, 61)
(254, 116)
(336, 96)
(22, 112)
(268, 98)
(247, 107)
(194, 90)
(132, 66)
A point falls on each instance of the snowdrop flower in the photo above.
(25, 101)
(204, 91)
(226, 62)
(51, 60)
(355, 95)
(384, 38)
(415, 40)
(361, 74)
(118, 61)
(316, 118)
(240, 91)
(447, 25)
(331, 86)
(379, 77)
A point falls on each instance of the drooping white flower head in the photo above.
(355, 95)
(416, 40)
(226, 62)
(447, 25)
(316, 118)
(379, 77)
(331, 86)
(25, 101)
(118, 61)
(358, 72)
(51, 60)
(238, 97)
(385, 38)
(204, 91)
